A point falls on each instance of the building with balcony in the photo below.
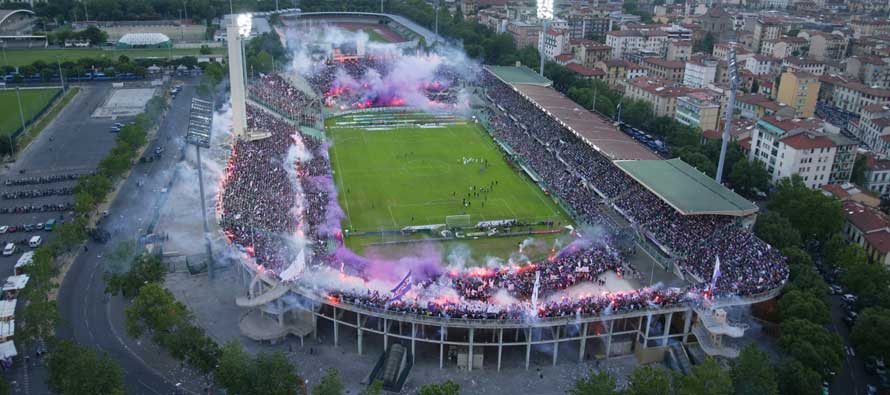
(698, 110)
(800, 91)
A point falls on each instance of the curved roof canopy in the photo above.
(5, 14)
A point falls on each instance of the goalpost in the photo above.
(458, 221)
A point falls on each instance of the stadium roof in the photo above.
(592, 128)
(144, 38)
(686, 189)
(518, 75)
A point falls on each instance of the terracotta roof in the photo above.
(836, 190)
(668, 64)
(659, 87)
(585, 71)
(882, 122)
(879, 240)
(564, 57)
(873, 163)
(745, 143)
(808, 141)
(625, 33)
(788, 124)
(876, 108)
(863, 218)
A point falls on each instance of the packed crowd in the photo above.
(274, 91)
(259, 197)
(749, 264)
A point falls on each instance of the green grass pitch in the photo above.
(33, 101)
(389, 179)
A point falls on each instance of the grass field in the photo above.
(33, 101)
(389, 179)
(21, 57)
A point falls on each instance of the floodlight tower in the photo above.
(238, 30)
(732, 68)
(545, 14)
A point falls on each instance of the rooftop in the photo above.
(686, 189)
(807, 140)
(590, 127)
(584, 70)
(518, 75)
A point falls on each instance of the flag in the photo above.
(716, 273)
(401, 288)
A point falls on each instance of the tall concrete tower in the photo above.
(238, 29)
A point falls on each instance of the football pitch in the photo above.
(33, 102)
(392, 177)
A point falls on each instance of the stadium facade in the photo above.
(652, 331)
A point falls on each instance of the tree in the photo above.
(73, 369)
(190, 344)
(859, 166)
(805, 306)
(798, 379)
(330, 384)
(705, 378)
(753, 374)
(376, 388)
(239, 373)
(776, 230)
(261, 62)
(146, 269)
(870, 333)
(869, 282)
(812, 345)
(646, 380)
(748, 177)
(595, 383)
(154, 309)
(813, 214)
(797, 257)
(446, 387)
(38, 320)
(706, 44)
(806, 279)
(94, 35)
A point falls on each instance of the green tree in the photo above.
(870, 335)
(155, 310)
(330, 384)
(776, 230)
(146, 269)
(705, 378)
(812, 345)
(261, 62)
(805, 306)
(447, 387)
(797, 257)
(813, 214)
(859, 166)
(239, 373)
(797, 379)
(595, 383)
(869, 282)
(748, 177)
(753, 374)
(646, 380)
(376, 388)
(806, 279)
(73, 369)
(706, 44)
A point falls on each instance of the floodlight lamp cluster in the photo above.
(545, 9)
(244, 22)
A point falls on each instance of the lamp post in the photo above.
(61, 77)
(18, 94)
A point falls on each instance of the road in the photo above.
(852, 374)
(75, 143)
(95, 319)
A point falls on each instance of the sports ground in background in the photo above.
(22, 57)
(405, 176)
(33, 101)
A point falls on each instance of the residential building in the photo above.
(699, 110)
(759, 64)
(870, 27)
(849, 95)
(524, 33)
(800, 91)
(669, 70)
(788, 146)
(588, 52)
(587, 72)
(783, 47)
(627, 43)
(868, 228)
(587, 22)
(877, 174)
(699, 72)
(827, 46)
(844, 158)
(805, 65)
(661, 94)
(555, 42)
(677, 33)
(618, 70)
(756, 106)
(870, 70)
(766, 28)
(679, 50)
(873, 128)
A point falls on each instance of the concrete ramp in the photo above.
(277, 291)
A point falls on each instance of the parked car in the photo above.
(4, 229)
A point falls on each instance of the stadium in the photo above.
(412, 201)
